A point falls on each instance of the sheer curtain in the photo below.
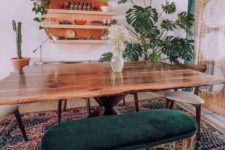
(210, 46)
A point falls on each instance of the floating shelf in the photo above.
(64, 11)
(81, 41)
(56, 13)
(73, 26)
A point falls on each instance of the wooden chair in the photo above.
(185, 97)
(136, 97)
(62, 104)
(6, 110)
(188, 97)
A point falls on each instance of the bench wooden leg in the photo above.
(185, 145)
(20, 123)
(192, 143)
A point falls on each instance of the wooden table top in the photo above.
(61, 81)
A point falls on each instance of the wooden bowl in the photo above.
(80, 22)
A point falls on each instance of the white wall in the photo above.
(32, 37)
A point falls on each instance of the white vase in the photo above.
(117, 62)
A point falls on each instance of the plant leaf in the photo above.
(169, 7)
(122, 1)
(138, 16)
(168, 25)
(133, 52)
(143, 20)
(176, 48)
(106, 57)
(185, 21)
(37, 19)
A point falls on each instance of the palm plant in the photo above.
(152, 33)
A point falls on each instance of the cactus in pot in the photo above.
(17, 29)
(19, 62)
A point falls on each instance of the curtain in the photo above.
(210, 36)
(210, 46)
(191, 6)
(191, 10)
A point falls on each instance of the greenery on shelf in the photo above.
(40, 9)
(153, 33)
(17, 27)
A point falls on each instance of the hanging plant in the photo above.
(152, 33)
(40, 9)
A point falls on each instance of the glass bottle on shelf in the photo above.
(71, 5)
(79, 6)
(66, 5)
(88, 6)
(75, 6)
(105, 22)
(108, 22)
(84, 6)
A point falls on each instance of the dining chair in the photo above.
(62, 104)
(191, 98)
(6, 110)
(181, 96)
(135, 94)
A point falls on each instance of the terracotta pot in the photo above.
(20, 63)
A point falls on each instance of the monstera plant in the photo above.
(153, 33)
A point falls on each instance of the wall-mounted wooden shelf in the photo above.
(58, 12)
(60, 26)
(64, 11)
(81, 41)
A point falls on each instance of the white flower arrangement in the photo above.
(118, 36)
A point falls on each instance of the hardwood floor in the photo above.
(215, 102)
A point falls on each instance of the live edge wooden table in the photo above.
(65, 81)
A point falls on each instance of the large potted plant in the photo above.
(19, 62)
(153, 33)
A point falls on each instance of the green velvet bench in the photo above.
(129, 131)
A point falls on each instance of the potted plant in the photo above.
(153, 33)
(19, 62)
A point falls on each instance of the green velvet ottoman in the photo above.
(129, 131)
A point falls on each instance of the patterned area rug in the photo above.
(38, 123)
